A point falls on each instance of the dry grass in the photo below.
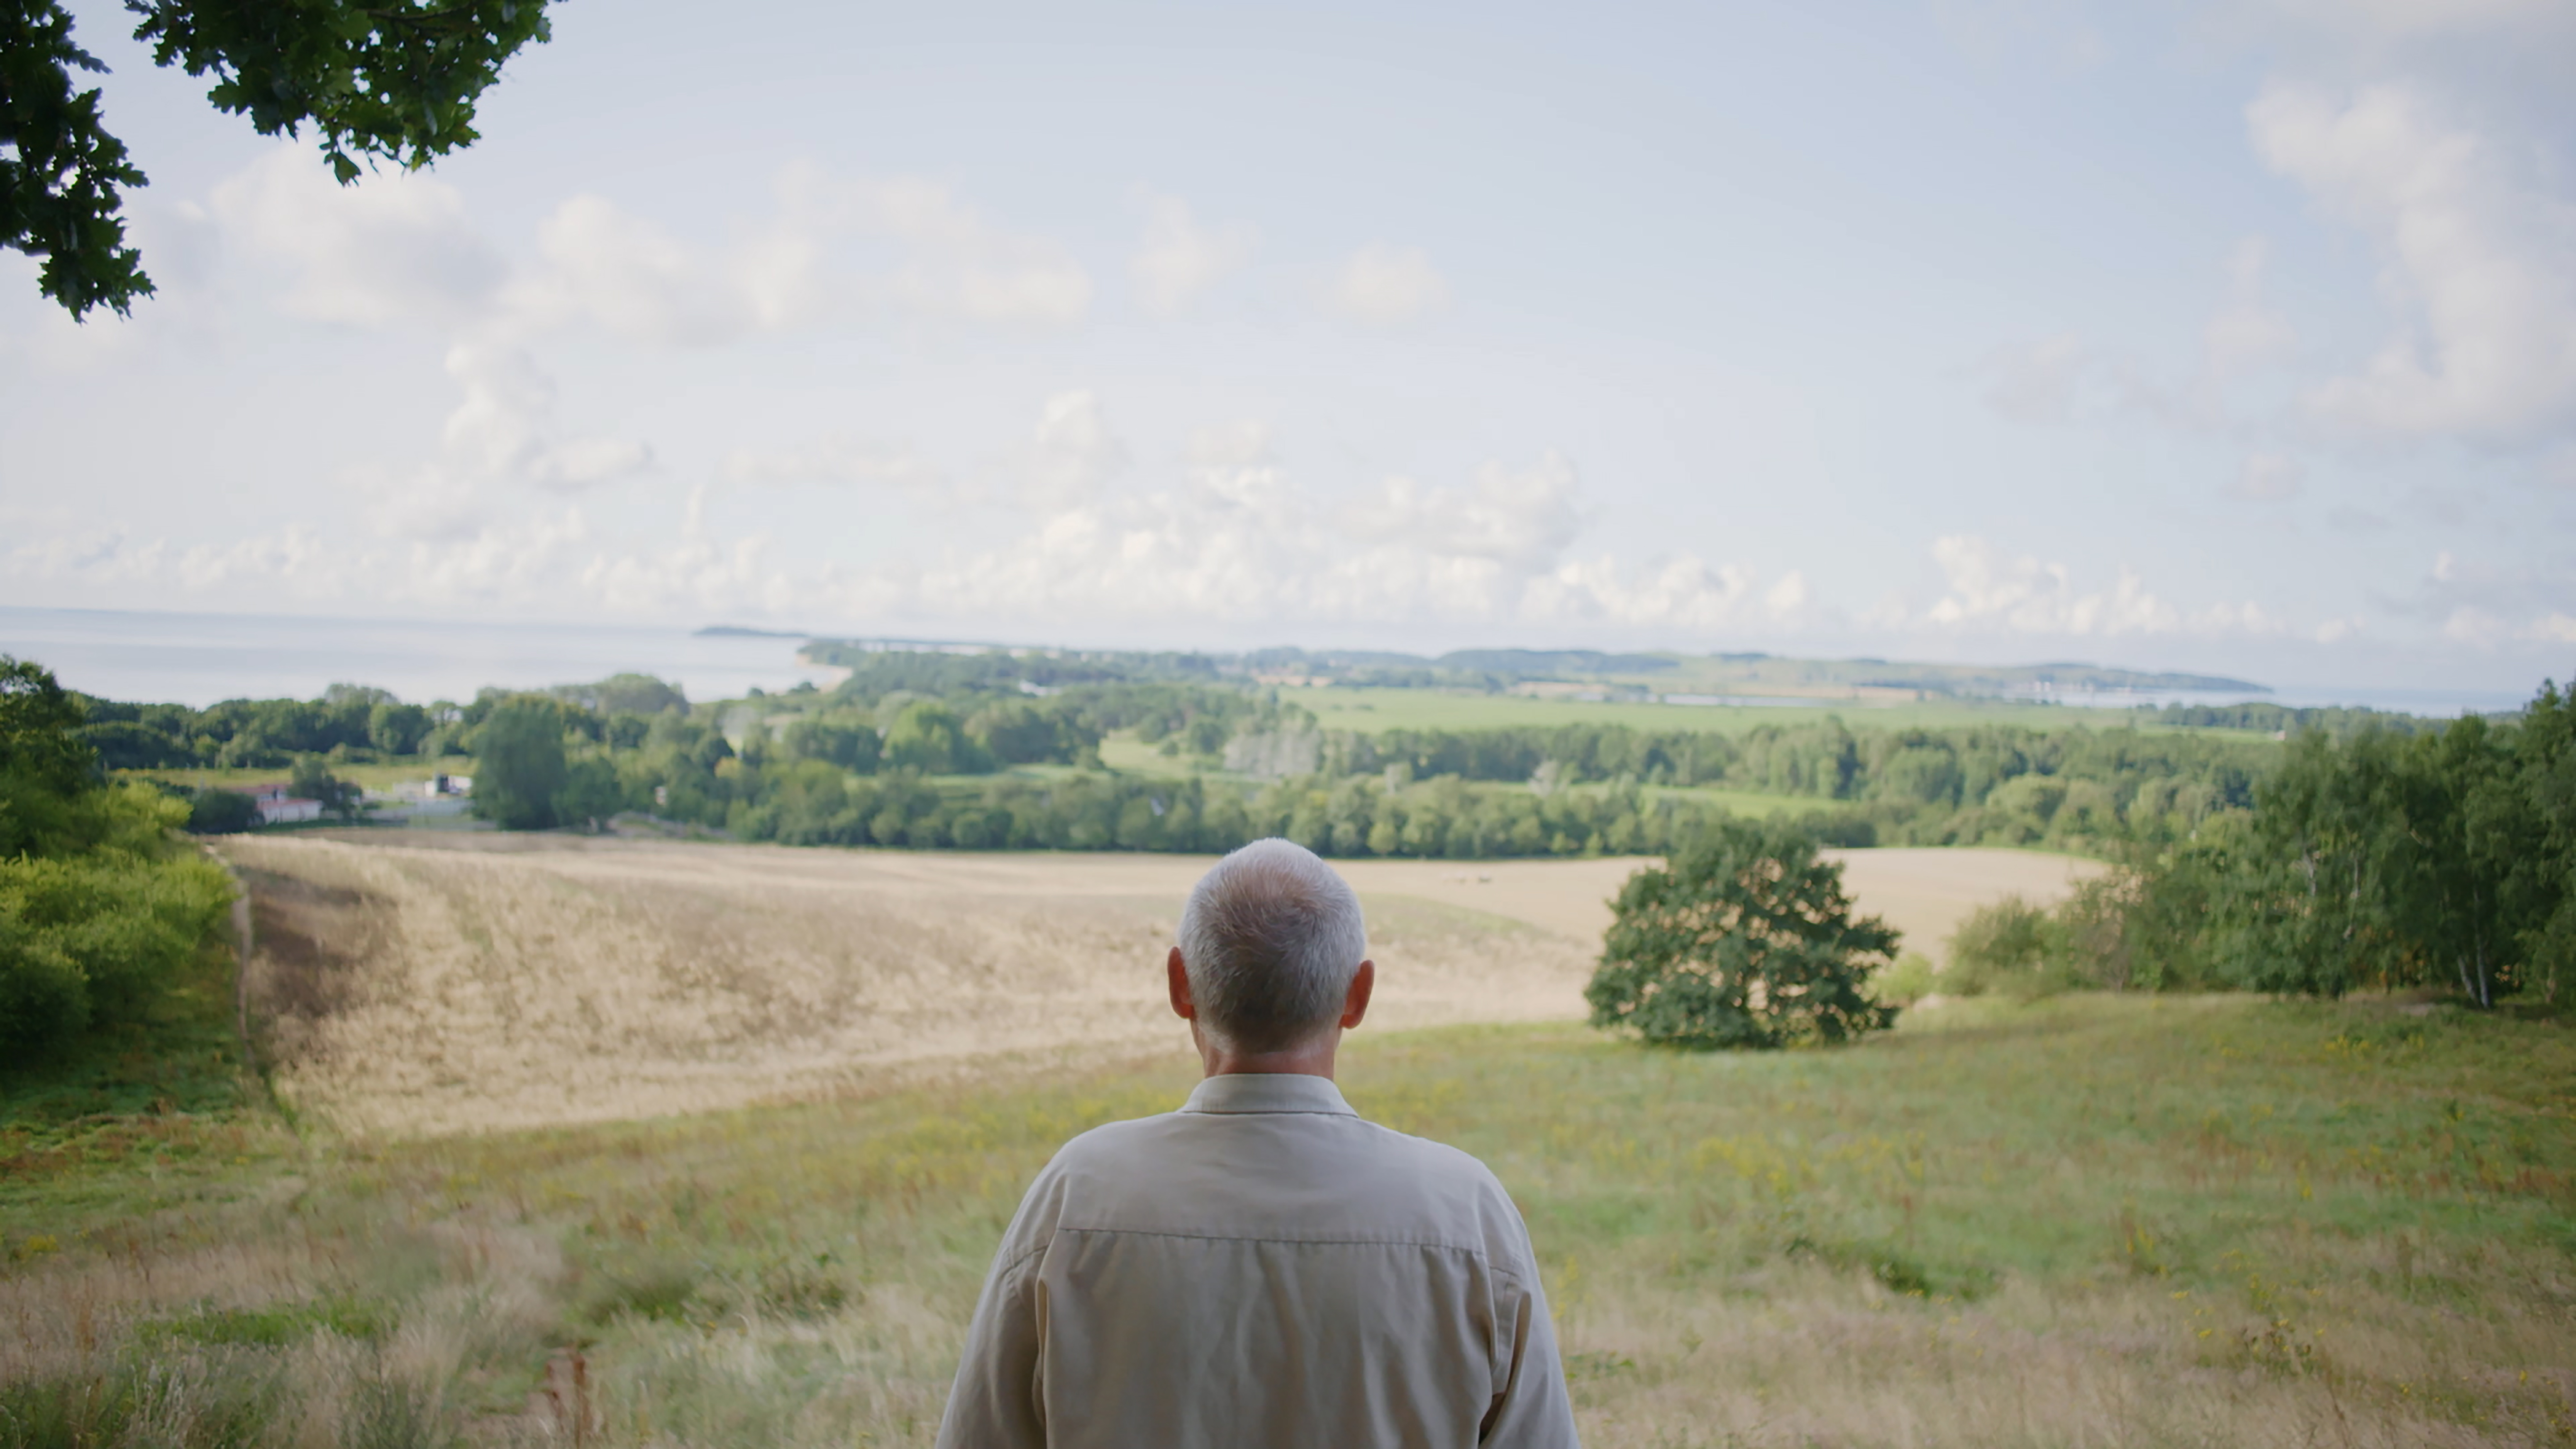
(417, 985)
(413, 990)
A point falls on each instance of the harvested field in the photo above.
(426, 983)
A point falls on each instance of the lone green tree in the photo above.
(519, 764)
(1744, 939)
(392, 80)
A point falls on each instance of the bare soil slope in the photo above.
(434, 982)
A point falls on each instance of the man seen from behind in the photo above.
(1262, 1267)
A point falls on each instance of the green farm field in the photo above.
(2088, 1220)
(1373, 711)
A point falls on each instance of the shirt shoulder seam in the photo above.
(1022, 1259)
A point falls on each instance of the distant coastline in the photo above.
(200, 658)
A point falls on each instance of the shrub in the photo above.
(1912, 978)
(2002, 947)
(221, 812)
(1745, 939)
(92, 940)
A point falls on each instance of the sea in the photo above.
(198, 659)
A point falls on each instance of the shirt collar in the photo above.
(1268, 1092)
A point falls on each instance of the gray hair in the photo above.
(1271, 938)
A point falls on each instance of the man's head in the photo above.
(1270, 939)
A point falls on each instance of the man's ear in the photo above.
(1355, 1001)
(1182, 1006)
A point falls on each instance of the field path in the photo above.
(429, 982)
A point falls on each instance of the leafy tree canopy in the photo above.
(519, 763)
(1744, 939)
(392, 80)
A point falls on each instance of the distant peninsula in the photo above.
(1672, 676)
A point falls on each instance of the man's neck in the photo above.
(1308, 1059)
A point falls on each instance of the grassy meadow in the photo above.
(2082, 1221)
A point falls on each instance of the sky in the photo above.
(2235, 338)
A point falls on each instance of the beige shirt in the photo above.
(1261, 1267)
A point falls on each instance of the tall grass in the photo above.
(2086, 1220)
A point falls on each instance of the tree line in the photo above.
(2385, 859)
(1972, 785)
(904, 770)
(2339, 720)
(582, 753)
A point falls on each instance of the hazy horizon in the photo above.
(199, 659)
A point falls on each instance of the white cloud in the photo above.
(2472, 600)
(2469, 624)
(499, 440)
(2554, 627)
(506, 563)
(1072, 454)
(958, 264)
(542, 561)
(1238, 444)
(834, 249)
(1517, 519)
(698, 572)
(838, 458)
(295, 562)
(1990, 590)
(1179, 258)
(501, 428)
(395, 247)
(1243, 542)
(626, 275)
(1382, 285)
(295, 554)
(1684, 593)
(2479, 264)
(2269, 478)
(101, 556)
(1988, 587)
